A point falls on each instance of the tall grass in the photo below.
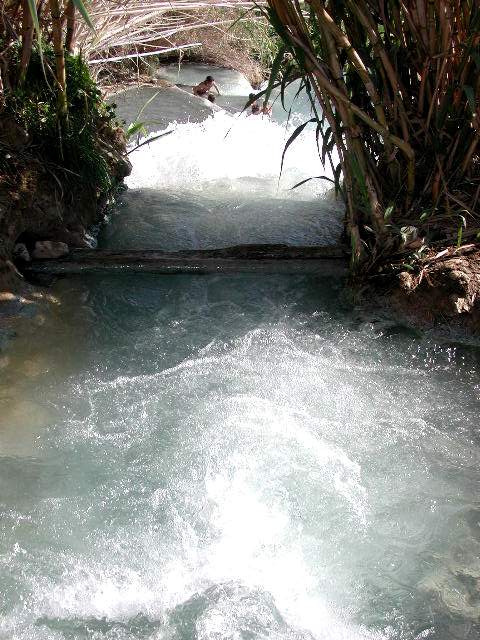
(396, 88)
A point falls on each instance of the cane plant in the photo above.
(395, 87)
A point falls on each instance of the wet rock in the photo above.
(49, 250)
(20, 252)
(457, 588)
(79, 240)
(7, 296)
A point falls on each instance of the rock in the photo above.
(448, 291)
(49, 250)
(20, 252)
(406, 280)
(12, 134)
(461, 305)
(7, 296)
(415, 244)
(79, 240)
(409, 234)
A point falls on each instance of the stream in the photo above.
(239, 456)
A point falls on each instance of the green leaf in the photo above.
(83, 12)
(284, 84)
(336, 175)
(145, 105)
(459, 235)
(134, 128)
(299, 184)
(277, 63)
(32, 5)
(470, 93)
(388, 212)
(292, 138)
(144, 142)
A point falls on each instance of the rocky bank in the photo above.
(40, 201)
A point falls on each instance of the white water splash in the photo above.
(233, 153)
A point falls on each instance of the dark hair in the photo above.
(251, 96)
(209, 79)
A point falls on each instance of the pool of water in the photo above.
(234, 456)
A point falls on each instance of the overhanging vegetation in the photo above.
(396, 88)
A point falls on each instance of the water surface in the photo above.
(234, 456)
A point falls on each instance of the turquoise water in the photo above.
(235, 456)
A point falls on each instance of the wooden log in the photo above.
(262, 258)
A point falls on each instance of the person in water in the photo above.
(257, 110)
(202, 90)
(254, 107)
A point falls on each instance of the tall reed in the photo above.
(397, 87)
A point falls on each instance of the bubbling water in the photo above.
(217, 183)
(237, 153)
(234, 457)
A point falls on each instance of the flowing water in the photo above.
(235, 456)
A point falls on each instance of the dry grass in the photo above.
(230, 33)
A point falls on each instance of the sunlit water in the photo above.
(233, 457)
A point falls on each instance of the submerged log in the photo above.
(265, 258)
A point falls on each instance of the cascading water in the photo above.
(217, 181)
(234, 457)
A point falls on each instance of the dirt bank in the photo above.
(444, 288)
(41, 201)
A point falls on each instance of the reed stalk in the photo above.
(71, 24)
(57, 38)
(398, 84)
(27, 41)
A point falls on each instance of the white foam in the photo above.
(240, 154)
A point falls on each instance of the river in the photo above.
(233, 456)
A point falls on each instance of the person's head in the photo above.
(251, 97)
(209, 79)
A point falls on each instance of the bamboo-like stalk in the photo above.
(60, 75)
(27, 41)
(71, 24)
(394, 76)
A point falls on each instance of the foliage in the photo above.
(224, 36)
(396, 90)
(33, 106)
(257, 36)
